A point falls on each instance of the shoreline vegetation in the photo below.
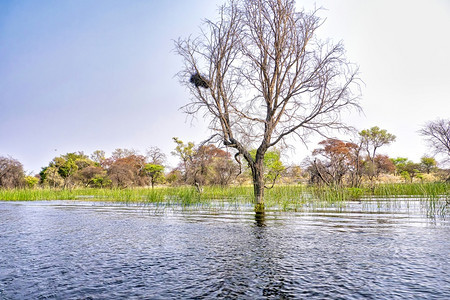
(336, 171)
(282, 197)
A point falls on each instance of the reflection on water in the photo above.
(90, 250)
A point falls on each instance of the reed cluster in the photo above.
(430, 190)
(284, 197)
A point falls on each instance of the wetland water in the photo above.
(94, 250)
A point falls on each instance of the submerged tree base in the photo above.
(260, 214)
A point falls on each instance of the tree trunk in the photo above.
(198, 187)
(258, 182)
(258, 187)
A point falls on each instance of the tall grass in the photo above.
(431, 190)
(289, 197)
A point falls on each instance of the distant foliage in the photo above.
(204, 164)
(428, 164)
(333, 161)
(66, 171)
(31, 181)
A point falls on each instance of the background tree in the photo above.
(119, 153)
(212, 165)
(437, 135)
(155, 156)
(64, 170)
(293, 174)
(98, 156)
(203, 163)
(94, 176)
(260, 75)
(31, 181)
(199, 167)
(383, 165)
(174, 177)
(356, 164)
(11, 173)
(49, 176)
(337, 159)
(185, 152)
(125, 168)
(154, 169)
(428, 164)
(398, 163)
(122, 174)
(225, 170)
(409, 170)
(101, 181)
(155, 172)
(371, 140)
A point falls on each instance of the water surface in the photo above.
(93, 250)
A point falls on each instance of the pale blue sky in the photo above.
(87, 75)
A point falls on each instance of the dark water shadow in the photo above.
(269, 273)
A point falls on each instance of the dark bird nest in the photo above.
(199, 81)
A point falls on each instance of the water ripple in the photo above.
(83, 250)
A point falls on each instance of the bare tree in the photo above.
(155, 156)
(260, 75)
(11, 173)
(437, 134)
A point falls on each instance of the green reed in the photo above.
(284, 197)
(430, 190)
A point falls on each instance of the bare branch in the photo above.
(437, 135)
(263, 75)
